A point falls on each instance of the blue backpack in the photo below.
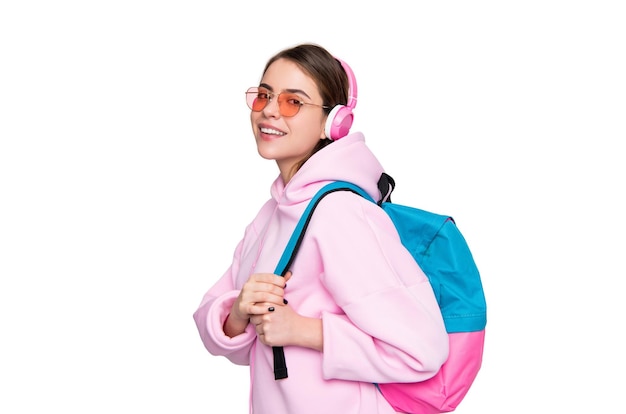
(443, 254)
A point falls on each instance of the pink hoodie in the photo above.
(381, 322)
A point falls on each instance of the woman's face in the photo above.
(288, 140)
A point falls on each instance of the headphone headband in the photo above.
(352, 95)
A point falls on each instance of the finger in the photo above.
(256, 320)
(263, 308)
(287, 276)
(269, 289)
(268, 278)
(266, 300)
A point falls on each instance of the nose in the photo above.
(272, 109)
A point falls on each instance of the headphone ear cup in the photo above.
(339, 122)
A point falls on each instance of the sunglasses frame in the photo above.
(255, 90)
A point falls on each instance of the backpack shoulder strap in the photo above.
(280, 365)
(298, 234)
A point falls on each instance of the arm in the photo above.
(212, 316)
(391, 319)
(214, 310)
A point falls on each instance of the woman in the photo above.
(357, 309)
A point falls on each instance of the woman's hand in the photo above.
(280, 325)
(260, 291)
(277, 326)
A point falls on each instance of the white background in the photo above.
(128, 172)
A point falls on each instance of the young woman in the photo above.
(354, 309)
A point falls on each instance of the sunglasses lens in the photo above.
(257, 99)
(289, 104)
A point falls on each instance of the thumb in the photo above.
(288, 275)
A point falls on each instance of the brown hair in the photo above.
(328, 74)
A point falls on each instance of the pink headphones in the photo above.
(340, 117)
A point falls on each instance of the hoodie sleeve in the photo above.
(392, 329)
(218, 300)
(212, 313)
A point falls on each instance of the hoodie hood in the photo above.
(347, 159)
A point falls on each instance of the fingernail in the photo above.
(271, 309)
(285, 301)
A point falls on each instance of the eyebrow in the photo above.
(299, 91)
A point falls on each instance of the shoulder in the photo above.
(342, 211)
(345, 202)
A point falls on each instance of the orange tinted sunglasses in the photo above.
(288, 103)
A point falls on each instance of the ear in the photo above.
(323, 130)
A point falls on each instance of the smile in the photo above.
(270, 131)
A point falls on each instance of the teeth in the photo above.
(271, 131)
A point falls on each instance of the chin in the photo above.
(267, 153)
